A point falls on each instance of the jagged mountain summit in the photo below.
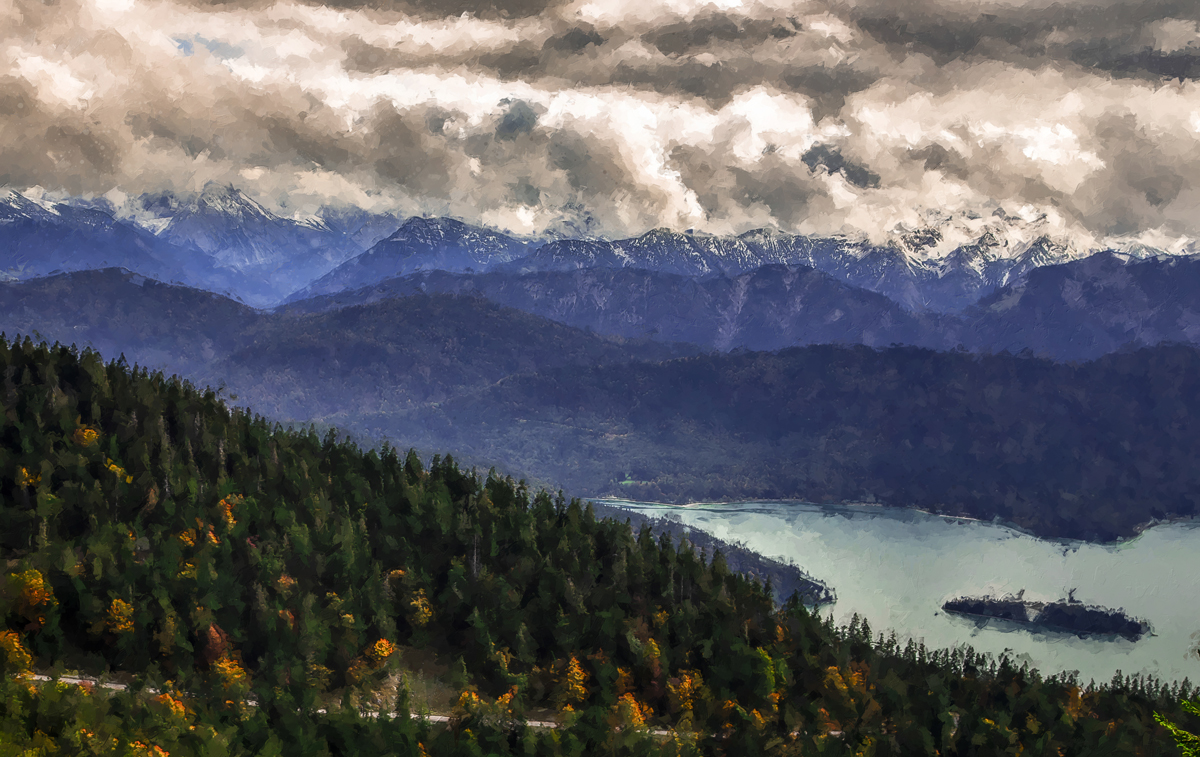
(421, 244)
(244, 236)
(924, 269)
(363, 227)
(39, 237)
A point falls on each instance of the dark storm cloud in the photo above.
(519, 119)
(828, 159)
(1124, 38)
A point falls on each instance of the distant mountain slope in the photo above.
(176, 328)
(384, 356)
(400, 353)
(1087, 451)
(569, 255)
(767, 308)
(1088, 308)
(421, 244)
(40, 238)
(274, 255)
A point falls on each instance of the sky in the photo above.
(611, 117)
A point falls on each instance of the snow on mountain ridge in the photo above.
(232, 202)
(16, 205)
(937, 261)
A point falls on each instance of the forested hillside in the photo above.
(380, 356)
(255, 577)
(764, 309)
(1085, 451)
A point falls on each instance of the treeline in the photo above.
(783, 578)
(150, 530)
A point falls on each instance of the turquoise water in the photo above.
(897, 567)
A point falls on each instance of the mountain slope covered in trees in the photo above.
(1085, 451)
(1073, 311)
(767, 308)
(383, 355)
(149, 529)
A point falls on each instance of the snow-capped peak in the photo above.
(229, 201)
(1000, 235)
(15, 205)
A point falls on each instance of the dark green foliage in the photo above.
(265, 565)
(784, 579)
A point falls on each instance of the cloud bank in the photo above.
(610, 117)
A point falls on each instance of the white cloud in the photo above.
(1174, 34)
(54, 80)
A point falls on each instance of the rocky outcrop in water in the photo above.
(1068, 615)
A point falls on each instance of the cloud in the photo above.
(610, 118)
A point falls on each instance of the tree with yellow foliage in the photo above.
(572, 689)
(420, 611)
(33, 595)
(120, 617)
(14, 657)
(381, 651)
(631, 712)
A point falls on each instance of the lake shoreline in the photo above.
(1060, 540)
(786, 578)
(896, 567)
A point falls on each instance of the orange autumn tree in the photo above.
(33, 596)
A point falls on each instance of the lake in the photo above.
(896, 567)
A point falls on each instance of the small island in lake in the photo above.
(1069, 615)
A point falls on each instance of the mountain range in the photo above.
(766, 308)
(918, 283)
(1079, 310)
(222, 240)
(761, 290)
